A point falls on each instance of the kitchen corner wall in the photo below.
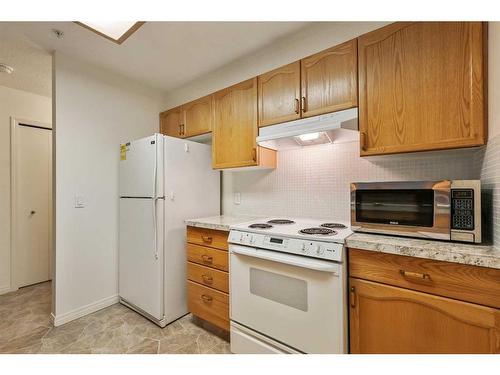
(95, 111)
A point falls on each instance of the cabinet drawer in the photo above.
(208, 276)
(208, 257)
(464, 282)
(209, 304)
(207, 237)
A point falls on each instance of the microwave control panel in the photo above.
(462, 209)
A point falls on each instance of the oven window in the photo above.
(413, 207)
(279, 288)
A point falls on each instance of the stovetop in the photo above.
(306, 229)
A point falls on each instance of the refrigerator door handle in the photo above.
(155, 229)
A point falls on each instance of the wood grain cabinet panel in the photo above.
(209, 304)
(235, 129)
(198, 116)
(422, 87)
(235, 126)
(208, 276)
(207, 237)
(279, 95)
(208, 256)
(329, 80)
(386, 319)
(468, 283)
(171, 122)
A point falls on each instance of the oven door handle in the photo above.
(293, 260)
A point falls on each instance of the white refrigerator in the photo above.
(163, 181)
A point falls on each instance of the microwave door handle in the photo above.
(293, 260)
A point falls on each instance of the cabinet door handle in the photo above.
(207, 279)
(207, 258)
(207, 239)
(415, 275)
(297, 106)
(362, 140)
(180, 129)
(352, 297)
(303, 104)
(254, 157)
(206, 299)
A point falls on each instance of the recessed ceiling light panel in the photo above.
(6, 69)
(116, 31)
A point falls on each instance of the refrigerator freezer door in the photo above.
(141, 167)
(141, 254)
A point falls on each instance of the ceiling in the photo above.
(163, 55)
(32, 64)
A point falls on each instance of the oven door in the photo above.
(419, 209)
(297, 301)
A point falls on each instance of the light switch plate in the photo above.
(237, 198)
(79, 201)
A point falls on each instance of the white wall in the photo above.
(307, 41)
(26, 106)
(94, 112)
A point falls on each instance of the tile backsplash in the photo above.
(487, 163)
(314, 181)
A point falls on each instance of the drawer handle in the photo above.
(206, 299)
(415, 275)
(207, 258)
(206, 239)
(207, 279)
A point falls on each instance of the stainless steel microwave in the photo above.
(444, 210)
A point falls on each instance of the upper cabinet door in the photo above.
(329, 80)
(198, 116)
(279, 95)
(235, 126)
(171, 122)
(421, 87)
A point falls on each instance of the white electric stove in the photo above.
(288, 282)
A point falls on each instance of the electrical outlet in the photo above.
(237, 198)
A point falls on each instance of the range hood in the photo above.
(337, 127)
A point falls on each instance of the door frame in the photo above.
(14, 123)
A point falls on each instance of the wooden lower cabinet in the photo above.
(401, 304)
(208, 275)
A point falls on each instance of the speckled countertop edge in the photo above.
(222, 222)
(477, 255)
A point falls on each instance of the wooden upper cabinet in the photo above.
(279, 95)
(171, 122)
(329, 80)
(235, 126)
(422, 87)
(198, 116)
(386, 319)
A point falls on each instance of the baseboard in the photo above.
(6, 289)
(84, 310)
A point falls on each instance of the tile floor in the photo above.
(25, 327)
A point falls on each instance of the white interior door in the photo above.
(141, 254)
(33, 205)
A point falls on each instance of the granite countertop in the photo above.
(476, 255)
(222, 222)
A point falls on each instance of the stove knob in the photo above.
(303, 247)
(252, 240)
(319, 250)
(241, 238)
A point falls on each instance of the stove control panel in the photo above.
(313, 249)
